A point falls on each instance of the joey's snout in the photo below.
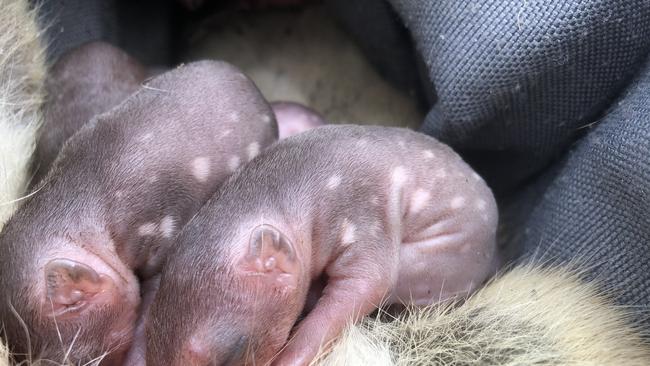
(227, 335)
(235, 307)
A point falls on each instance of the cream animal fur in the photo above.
(305, 57)
(529, 316)
(22, 70)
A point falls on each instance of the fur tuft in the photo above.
(4, 355)
(528, 316)
(22, 72)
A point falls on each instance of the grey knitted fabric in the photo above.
(515, 79)
(516, 84)
(597, 208)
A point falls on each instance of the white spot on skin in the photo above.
(269, 264)
(428, 154)
(196, 345)
(146, 137)
(147, 229)
(233, 163)
(349, 233)
(361, 142)
(419, 200)
(234, 116)
(201, 168)
(266, 118)
(167, 226)
(374, 200)
(481, 204)
(476, 176)
(253, 150)
(226, 133)
(399, 175)
(441, 173)
(457, 202)
(333, 182)
(401, 143)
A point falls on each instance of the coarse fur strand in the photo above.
(530, 315)
(22, 73)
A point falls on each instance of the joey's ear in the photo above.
(71, 286)
(272, 255)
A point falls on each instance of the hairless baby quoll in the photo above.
(389, 215)
(86, 81)
(109, 208)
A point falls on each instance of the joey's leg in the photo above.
(347, 297)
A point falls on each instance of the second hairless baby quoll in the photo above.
(389, 215)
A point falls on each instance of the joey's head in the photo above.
(63, 302)
(234, 304)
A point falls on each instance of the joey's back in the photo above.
(150, 162)
(335, 184)
(117, 194)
